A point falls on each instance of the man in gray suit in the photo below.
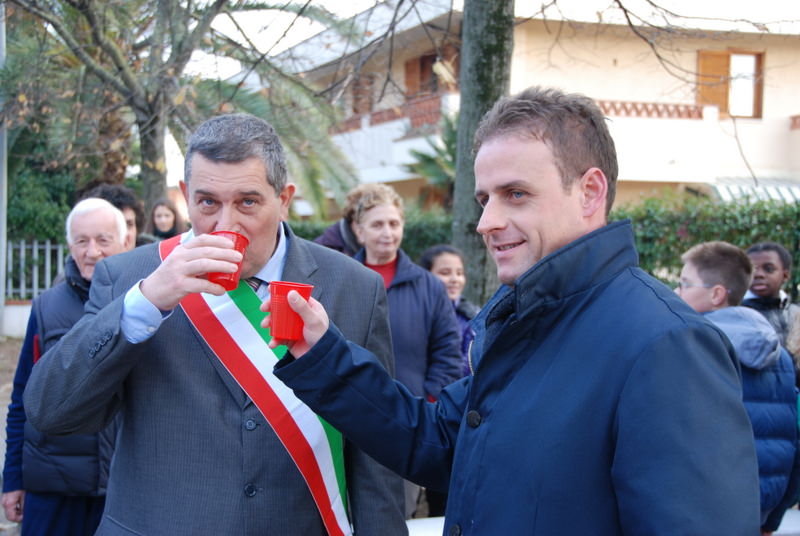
(209, 443)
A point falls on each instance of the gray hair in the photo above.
(572, 125)
(92, 204)
(233, 138)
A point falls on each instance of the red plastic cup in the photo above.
(285, 323)
(230, 281)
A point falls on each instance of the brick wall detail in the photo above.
(651, 110)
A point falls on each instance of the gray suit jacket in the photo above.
(194, 455)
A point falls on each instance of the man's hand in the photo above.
(184, 271)
(13, 502)
(315, 321)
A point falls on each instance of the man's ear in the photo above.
(593, 187)
(719, 296)
(286, 196)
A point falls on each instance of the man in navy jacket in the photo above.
(600, 404)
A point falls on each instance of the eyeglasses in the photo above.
(682, 286)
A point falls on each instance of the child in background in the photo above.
(447, 263)
(714, 278)
(772, 268)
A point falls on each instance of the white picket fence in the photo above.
(31, 267)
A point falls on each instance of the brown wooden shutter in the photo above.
(362, 94)
(713, 73)
(412, 77)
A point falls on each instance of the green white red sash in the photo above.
(231, 326)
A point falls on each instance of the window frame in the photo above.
(705, 89)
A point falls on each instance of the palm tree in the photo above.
(439, 165)
(136, 53)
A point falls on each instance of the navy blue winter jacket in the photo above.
(425, 335)
(770, 398)
(601, 405)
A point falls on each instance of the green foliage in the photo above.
(38, 205)
(425, 229)
(666, 228)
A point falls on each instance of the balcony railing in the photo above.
(658, 110)
(426, 110)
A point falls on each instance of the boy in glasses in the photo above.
(714, 278)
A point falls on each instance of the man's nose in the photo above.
(228, 220)
(93, 250)
(491, 218)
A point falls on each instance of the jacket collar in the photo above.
(300, 264)
(588, 261)
(73, 277)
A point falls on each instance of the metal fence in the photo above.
(31, 267)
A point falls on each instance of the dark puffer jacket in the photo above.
(74, 464)
(770, 398)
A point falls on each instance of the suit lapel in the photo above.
(301, 266)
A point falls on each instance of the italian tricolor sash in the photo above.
(231, 326)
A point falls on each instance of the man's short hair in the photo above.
(233, 138)
(572, 125)
(121, 197)
(722, 263)
(783, 253)
(375, 194)
(92, 204)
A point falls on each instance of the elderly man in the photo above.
(56, 485)
(210, 443)
(600, 403)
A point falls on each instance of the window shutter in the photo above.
(412, 77)
(713, 73)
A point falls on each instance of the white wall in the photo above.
(610, 63)
(15, 320)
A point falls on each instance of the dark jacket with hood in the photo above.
(770, 398)
(339, 236)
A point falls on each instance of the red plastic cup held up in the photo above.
(230, 281)
(285, 323)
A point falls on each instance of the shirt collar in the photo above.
(273, 270)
